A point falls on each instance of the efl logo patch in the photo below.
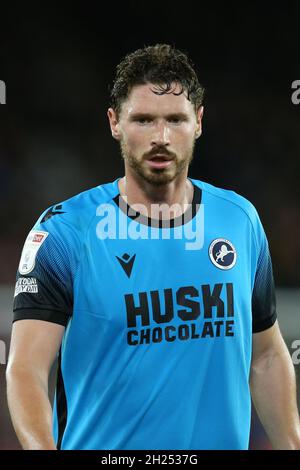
(222, 253)
(32, 245)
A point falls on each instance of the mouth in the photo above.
(159, 161)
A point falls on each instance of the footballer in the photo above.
(155, 292)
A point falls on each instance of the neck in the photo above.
(155, 201)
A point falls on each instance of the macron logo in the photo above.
(127, 263)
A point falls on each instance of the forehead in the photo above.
(142, 100)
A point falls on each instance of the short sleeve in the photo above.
(44, 281)
(263, 295)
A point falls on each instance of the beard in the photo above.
(157, 176)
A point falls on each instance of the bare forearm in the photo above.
(30, 409)
(273, 388)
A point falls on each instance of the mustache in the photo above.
(160, 151)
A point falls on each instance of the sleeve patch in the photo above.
(26, 284)
(33, 243)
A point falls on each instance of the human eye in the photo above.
(176, 119)
(143, 121)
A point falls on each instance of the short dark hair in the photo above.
(161, 65)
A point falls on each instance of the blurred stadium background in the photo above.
(55, 141)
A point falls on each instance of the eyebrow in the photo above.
(136, 116)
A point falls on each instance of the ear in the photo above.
(199, 116)
(114, 123)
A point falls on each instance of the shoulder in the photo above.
(76, 212)
(235, 208)
(229, 199)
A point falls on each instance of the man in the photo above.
(157, 292)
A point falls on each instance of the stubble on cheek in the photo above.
(156, 177)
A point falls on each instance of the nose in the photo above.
(161, 136)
